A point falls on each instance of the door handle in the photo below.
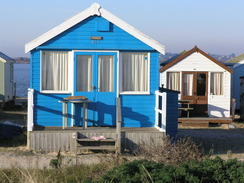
(94, 87)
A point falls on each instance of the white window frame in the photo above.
(121, 92)
(69, 75)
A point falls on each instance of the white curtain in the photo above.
(84, 73)
(105, 73)
(217, 83)
(174, 81)
(135, 72)
(55, 70)
(188, 84)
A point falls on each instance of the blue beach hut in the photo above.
(99, 56)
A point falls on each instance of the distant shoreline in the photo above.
(22, 62)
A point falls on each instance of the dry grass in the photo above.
(169, 152)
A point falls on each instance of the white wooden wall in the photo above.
(218, 106)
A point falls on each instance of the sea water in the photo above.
(22, 79)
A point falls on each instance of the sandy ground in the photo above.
(224, 140)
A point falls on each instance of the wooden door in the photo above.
(195, 89)
(95, 78)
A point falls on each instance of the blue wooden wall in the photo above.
(238, 72)
(78, 37)
(172, 114)
(137, 110)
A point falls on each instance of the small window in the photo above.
(217, 83)
(54, 71)
(173, 81)
(135, 72)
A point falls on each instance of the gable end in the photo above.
(195, 49)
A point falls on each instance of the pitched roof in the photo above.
(236, 59)
(186, 54)
(172, 58)
(5, 58)
(95, 9)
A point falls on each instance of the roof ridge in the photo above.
(186, 54)
(94, 9)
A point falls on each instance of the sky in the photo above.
(215, 26)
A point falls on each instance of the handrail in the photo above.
(160, 110)
(118, 125)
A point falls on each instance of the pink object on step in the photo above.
(98, 138)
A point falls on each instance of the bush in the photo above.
(171, 152)
(209, 170)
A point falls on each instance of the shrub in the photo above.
(171, 152)
(210, 170)
(57, 162)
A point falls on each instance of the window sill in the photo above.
(55, 92)
(134, 93)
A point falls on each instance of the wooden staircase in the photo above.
(90, 144)
(107, 144)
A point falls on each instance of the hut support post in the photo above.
(118, 126)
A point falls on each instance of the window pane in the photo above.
(105, 73)
(201, 84)
(54, 71)
(216, 83)
(135, 72)
(188, 84)
(174, 81)
(84, 73)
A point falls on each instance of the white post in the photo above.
(164, 109)
(30, 123)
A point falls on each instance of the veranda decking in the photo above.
(51, 139)
(203, 122)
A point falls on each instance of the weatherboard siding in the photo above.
(79, 36)
(238, 72)
(2, 83)
(171, 114)
(137, 110)
(218, 106)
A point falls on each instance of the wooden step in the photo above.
(91, 144)
(107, 147)
(91, 140)
(195, 124)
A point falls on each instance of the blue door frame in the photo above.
(102, 110)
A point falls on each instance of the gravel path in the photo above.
(40, 161)
(217, 140)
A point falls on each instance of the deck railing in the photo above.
(160, 110)
(30, 123)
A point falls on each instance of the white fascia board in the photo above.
(95, 9)
(57, 30)
(2, 60)
(238, 64)
(133, 31)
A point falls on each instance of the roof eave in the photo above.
(195, 49)
(95, 9)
